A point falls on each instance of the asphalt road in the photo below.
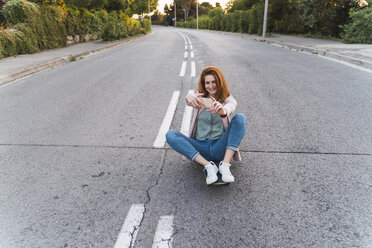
(76, 149)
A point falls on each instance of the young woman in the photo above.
(213, 136)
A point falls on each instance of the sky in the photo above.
(213, 2)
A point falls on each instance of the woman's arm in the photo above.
(230, 105)
(193, 99)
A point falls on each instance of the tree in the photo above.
(326, 16)
(141, 6)
(204, 8)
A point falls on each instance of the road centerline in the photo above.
(167, 121)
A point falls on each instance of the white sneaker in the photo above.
(211, 174)
(224, 170)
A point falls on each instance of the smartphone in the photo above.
(208, 102)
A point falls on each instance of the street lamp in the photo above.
(265, 19)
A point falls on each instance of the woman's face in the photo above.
(210, 85)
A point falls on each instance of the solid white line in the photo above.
(164, 231)
(192, 54)
(130, 228)
(185, 55)
(188, 39)
(186, 119)
(193, 71)
(183, 36)
(160, 139)
(190, 47)
(346, 63)
(183, 69)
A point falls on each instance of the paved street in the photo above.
(79, 166)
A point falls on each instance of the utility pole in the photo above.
(175, 15)
(184, 13)
(149, 10)
(265, 19)
(197, 15)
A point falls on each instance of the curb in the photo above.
(322, 52)
(63, 60)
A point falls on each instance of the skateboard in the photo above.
(219, 180)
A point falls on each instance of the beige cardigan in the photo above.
(229, 105)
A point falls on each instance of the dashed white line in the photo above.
(185, 55)
(130, 228)
(185, 47)
(183, 69)
(160, 139)
(190, 47)
(193, 71)
(164, 232)
(192, 54)
(186, 119)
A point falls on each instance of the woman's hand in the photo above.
(217, 108)
(194, 100)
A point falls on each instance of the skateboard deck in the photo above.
(219, 180)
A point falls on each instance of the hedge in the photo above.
(32, 27)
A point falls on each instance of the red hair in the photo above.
(223, 91)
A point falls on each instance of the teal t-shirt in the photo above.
(209, 126)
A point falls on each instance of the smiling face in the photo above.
(210, 85)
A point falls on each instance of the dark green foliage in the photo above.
(243, 21)
(325, 16)
(256, 19)
(146, 26)
(359, 30)
(39, 27)
(17, 11)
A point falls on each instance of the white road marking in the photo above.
(183, 69)
(190, 47)
(185, 55)
(346, 63)
(183, 36)
(130, 228)
(164, 231)
(188, 39)
(160, 139)
(192, 54)
(193, 71)
(186, 119)
(185, 47)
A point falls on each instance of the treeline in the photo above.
(32, 26)
(350, 20)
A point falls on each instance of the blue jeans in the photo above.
(211, 150)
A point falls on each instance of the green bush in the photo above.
(360, 28)
(256, 19)
(46, 26)
(235, 21)
(204, 22)
(215, 16)
(243, 21)
(227, 22)
(18, 11)
(146, 26)
(290, 24)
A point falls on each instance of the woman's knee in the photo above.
(171, 135)
(240, 119)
